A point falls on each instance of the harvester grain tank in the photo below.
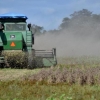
(17, 43)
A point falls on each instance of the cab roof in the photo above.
(13, 15)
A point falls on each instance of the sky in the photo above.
(48, 13)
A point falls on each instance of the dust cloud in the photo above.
(76, 40)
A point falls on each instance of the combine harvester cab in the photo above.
(16, 44)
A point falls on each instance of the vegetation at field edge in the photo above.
(27, 90)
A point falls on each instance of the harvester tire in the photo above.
(2, 65)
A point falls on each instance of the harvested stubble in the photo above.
(70, 76)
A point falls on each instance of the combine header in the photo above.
(16, 44)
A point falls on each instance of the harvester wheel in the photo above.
(2, 65)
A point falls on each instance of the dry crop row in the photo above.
(70, 76)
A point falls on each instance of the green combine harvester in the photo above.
(16, 44)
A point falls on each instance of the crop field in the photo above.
(74, 78)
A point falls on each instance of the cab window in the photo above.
(15, 27)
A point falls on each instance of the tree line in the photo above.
(82, 22)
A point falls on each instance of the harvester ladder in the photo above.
(28, 39)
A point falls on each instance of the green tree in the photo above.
(77, 18)
(37, 30)
(81, 13)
